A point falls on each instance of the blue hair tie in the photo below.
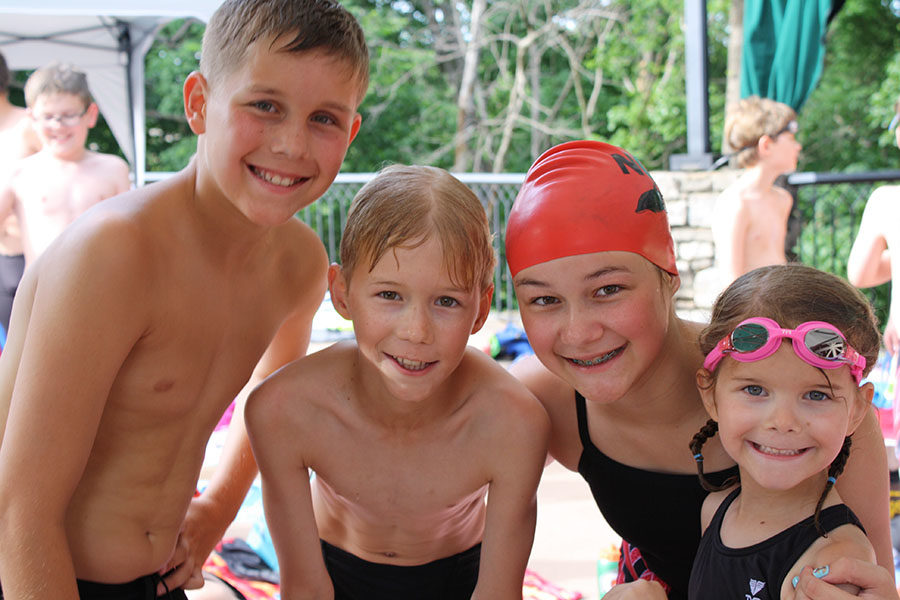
(831, 480)
(698, 457)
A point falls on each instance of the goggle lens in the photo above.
(749, 337)
(825, 344)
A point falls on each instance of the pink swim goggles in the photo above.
(817, 343)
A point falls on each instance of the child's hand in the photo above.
(196, 540)
(872, 581)
(180, 571)
(636, 590)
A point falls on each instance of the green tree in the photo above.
(843, 123)
(174, 54)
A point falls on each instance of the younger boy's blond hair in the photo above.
(404, 205)
(321, 25)
(57, 78)
(749, 120)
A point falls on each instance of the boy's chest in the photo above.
(205, 339)
(416, 482)
(66, 193)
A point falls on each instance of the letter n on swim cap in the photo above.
(583, 197)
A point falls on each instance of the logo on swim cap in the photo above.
(583, 197)
(651, 200)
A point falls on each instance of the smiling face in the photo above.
(412, 322)
(781, 419)
(62, 122)
(598, 321)
(275, 130)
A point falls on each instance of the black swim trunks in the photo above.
(451, 578)
(11, 269)
(143, 588)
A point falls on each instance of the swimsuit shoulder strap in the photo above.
(581, 411)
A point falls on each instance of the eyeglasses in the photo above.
(817, 343)
(791, 126)
(894, 122)
(64, 120)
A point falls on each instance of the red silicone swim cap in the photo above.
(585, 196)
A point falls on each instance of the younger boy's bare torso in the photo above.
(187, 341)
(757, 220)
(399, 495)
(50, 193)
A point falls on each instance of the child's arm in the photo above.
(89, 308)
(869, 263)
(7, 191)
(276, 424)
(518, 449)
(864, 487)
(120, 176)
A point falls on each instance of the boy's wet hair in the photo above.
(749, 120)
(57, 78)
(791, 294)
(320, 25)
(4, 76)
(403, 206)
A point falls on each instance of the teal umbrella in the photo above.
(784, 48)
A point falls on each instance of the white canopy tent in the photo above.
(108, 39)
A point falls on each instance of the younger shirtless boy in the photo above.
(138, 326)
(406, 429)
(751, 215)
(49, 189)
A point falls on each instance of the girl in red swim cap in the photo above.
(593, 265)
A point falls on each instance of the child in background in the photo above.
(750, 216)
(786, 350)
(406, 429)
(49, 189)
(17, 140)
(869, 263)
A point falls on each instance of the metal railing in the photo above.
(827, 210)
(496, 192)
(826, 215)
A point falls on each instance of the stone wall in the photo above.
(689, 200)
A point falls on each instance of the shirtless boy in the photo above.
(406, 428)
(869, 263)
(17, 140)
(137, 327)
(49, 189)
(750, 216)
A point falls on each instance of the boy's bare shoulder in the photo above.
(108, 161)
(302, 388)
(307, 376)
(496, 395)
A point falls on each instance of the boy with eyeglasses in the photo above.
(49, 189)
(750, 216)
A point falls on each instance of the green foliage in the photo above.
(174, 54)
(842, 124)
